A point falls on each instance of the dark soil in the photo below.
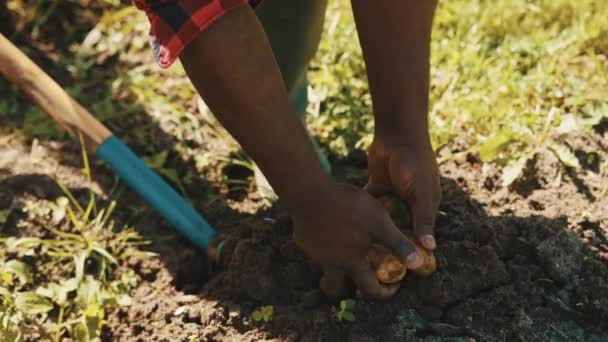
(528, 263)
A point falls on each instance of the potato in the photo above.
(389, 269)
(429, 263)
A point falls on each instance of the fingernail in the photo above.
(414, 260)
(428, 241)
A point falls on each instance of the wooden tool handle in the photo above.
(20, 69)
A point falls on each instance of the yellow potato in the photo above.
(429, 263)
(389, 269)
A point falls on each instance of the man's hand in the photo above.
(409, 171)
(337, 231)
(395, 38)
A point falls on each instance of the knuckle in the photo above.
(405, 184)
(408, 245)
(402, 247)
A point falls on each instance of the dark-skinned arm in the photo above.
(232, 66)
(395, 38)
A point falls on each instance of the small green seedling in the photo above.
(263, 314)
(347, 310)
(4, 213)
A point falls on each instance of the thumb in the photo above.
(423, 217)
(390, 236)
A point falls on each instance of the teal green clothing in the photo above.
(294, 30)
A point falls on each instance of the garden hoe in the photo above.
(98, 139)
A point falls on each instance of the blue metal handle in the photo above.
(155, 191)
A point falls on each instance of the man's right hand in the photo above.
(337, 230)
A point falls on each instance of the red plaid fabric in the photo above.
(175, 23)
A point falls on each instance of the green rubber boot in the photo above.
(294, 30)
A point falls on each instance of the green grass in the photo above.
(508, 78)
(63, 282)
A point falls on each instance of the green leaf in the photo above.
(491, 148)
(4, 213)
(18, 268)
(156, 161)
(11, 336)
(88, 291)
(6, 278)
(264, 313)
(348, 304)
(593, 115)
(513, 170)
(267, 312)
(14, 245)
(128, 279)
(256, 315)
(94, 322)
(348, 316)
(37, 124)
(58, 293)
(97, 248)
(31, 303)
(565, 155)
(93, 310)
(79, 260)
(171, 175)
(80, 332)
(568, 124)
(4, 292)
(47, 291)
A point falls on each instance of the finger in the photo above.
(365, 278)
(376, 189)
(390, 236)
(423, 217)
